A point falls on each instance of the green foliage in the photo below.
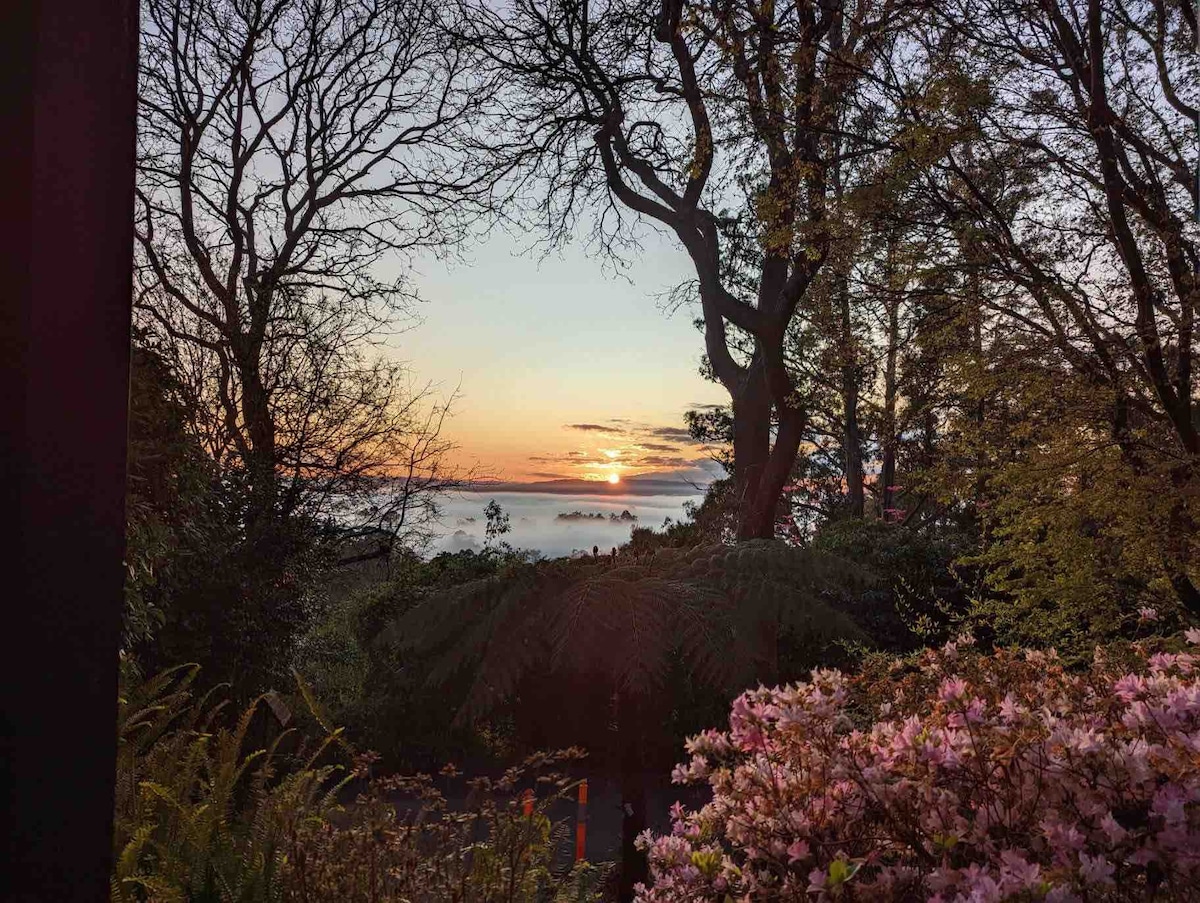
(238, 604)
(169, 477)
(200, 816)
(204, 814)
(369, 682)
(919, 597)
(200, 586)
(722, 610)
(497, 522)
(712, 521)
(1083, 522)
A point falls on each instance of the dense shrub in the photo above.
(204, 814)
(713, 520)
(200, 586)
(919, 596)
(954, 776)
(371, 680)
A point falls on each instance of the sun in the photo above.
(614, 478)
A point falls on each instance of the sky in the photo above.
(564, 368)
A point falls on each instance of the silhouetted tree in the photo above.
(725, 124)
(290, 152)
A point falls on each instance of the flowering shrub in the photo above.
(955, 776)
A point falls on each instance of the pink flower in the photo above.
(1112, 829)
(982, 887)
(951, 689)
(1095, 869)
(1010, 709)
(1169, 804)
(1017, 873)
(1147, 615)
(1129, 687)
(816, 881)
(797, 851)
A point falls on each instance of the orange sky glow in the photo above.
(605, 451)
(563, 368)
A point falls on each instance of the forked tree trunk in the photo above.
(762, 461)
(751, 452)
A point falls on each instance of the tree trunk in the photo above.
(851, 434)
(260, 429)
(887, 475)
(852, 443)
(751, 454)
(761, 468)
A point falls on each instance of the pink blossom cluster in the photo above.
(954, 776)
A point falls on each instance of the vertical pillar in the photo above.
(581, 823)
(68, 120)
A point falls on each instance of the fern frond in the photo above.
(722, 608)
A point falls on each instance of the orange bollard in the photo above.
(527, 803)
(581, 823)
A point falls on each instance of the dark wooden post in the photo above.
(66, 215)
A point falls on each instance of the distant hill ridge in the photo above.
(646, 484)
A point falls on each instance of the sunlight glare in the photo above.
(614, 478)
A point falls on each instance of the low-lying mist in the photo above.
(536, 525)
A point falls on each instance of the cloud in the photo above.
(641, 433)
(571, 457)
(665, 461)
(635, 457)
(461, 541)
(617, 426)
(590, 427)
(631, 446)
(674, 433)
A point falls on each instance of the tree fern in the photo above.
(720, 611)
(723, 608)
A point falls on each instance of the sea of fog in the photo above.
(536, 525)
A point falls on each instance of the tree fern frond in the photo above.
(625, 624)
(723, 608)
